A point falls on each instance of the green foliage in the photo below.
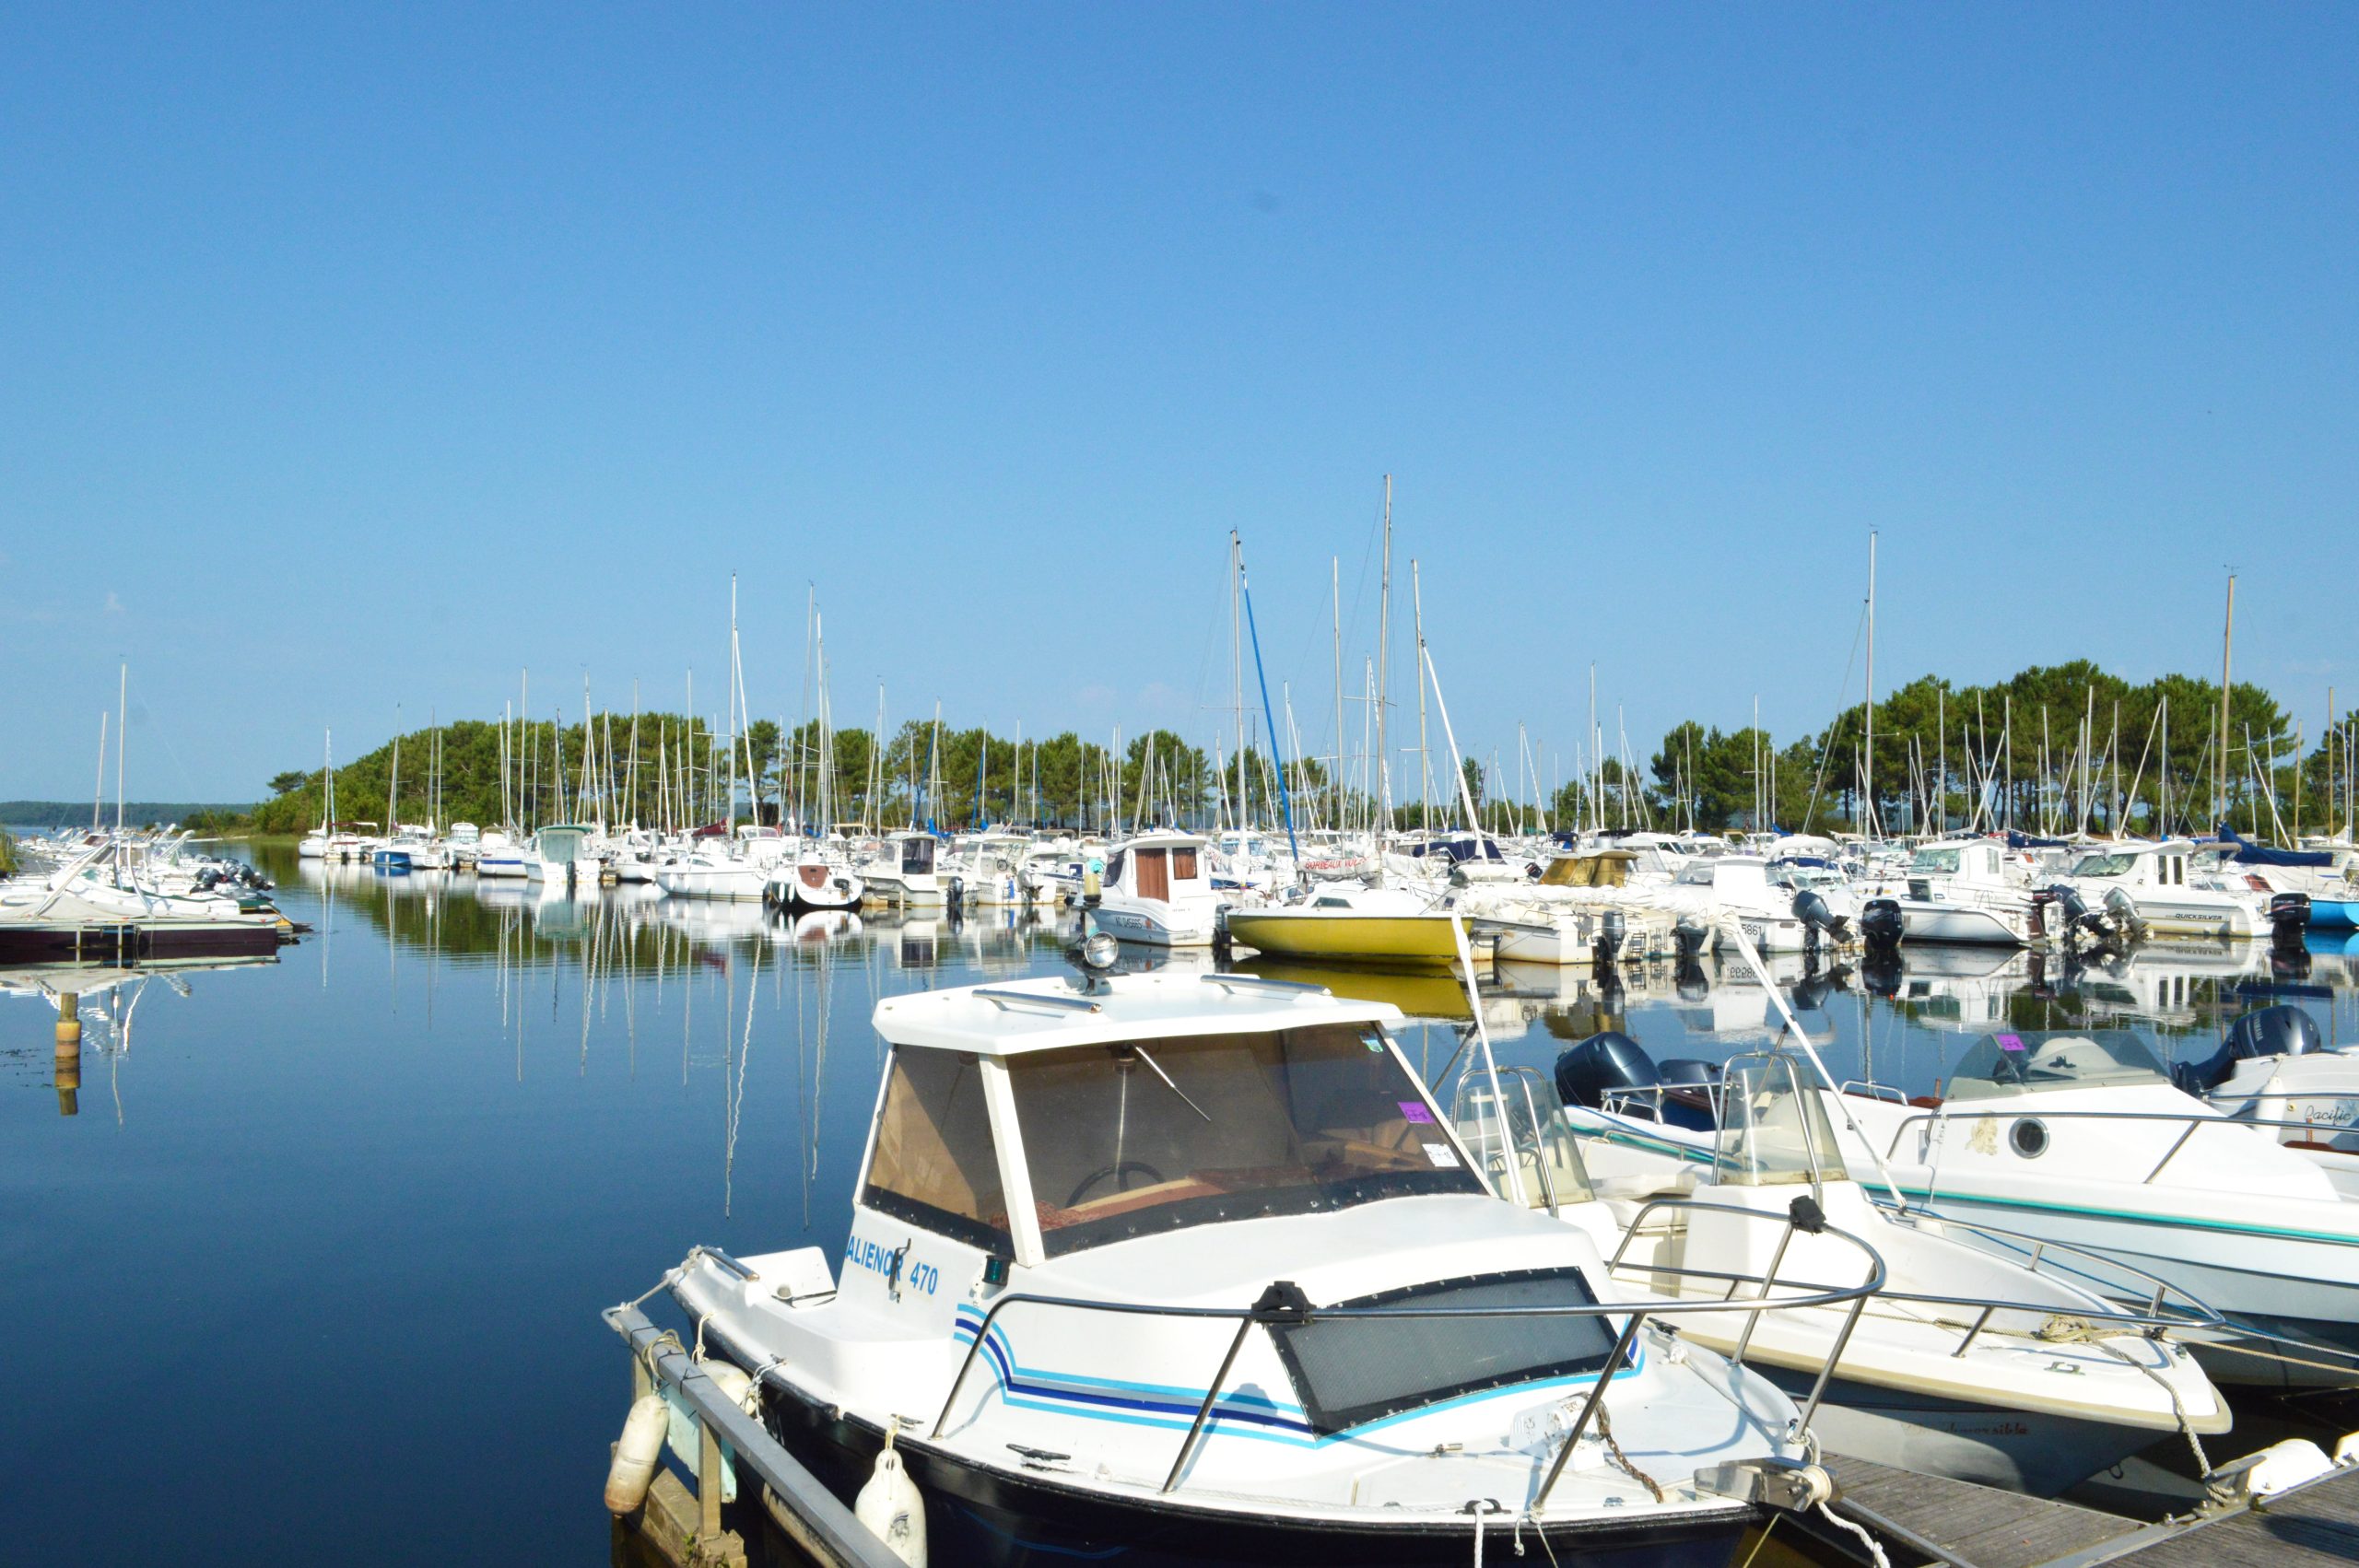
(8, 854)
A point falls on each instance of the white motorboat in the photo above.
(987, 868)
(497, 856)
(1966, 1364)
(1959, 892)
(2169, 893)
(812, 883)
(558, 856)
(902, 872)
(1192, 1269)
(2084, 1138)
(1158, 889)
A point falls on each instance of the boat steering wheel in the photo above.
(1117, 1171)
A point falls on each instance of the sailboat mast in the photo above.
(1424, 761)
(124, 713)
(1335, 779)
(1384, 666)
(1236, 661)
(2228, 654)
(1868, 823)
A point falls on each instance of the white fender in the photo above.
(633, 1471)
(893, 1509)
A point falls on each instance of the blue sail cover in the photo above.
(2251, 854)
(2018, 840)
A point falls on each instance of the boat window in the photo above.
(1773, 1132)
(1113, 875)
(1155, 877)
(1934, 860)
(2103, 865)
(1183, 863)
(1128, 1140)
(917, 855)
(935, 1164)
(2006, 1064)
(1349, 1371)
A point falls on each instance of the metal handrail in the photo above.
(2040, 1248)
(1246, 1317)
(2195, 1120)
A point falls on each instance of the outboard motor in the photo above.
(1811, 911)
(2281, 1030)
(1606, 1063)
(1692, 936)
(1611, 930)
(1610, 1063)
(2123, 910)
(2289, 916)
(1880, 923)
(2096, 925)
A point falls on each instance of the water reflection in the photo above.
(462, 1109)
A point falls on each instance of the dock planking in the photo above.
(1982, 1526)
(2314, 1523)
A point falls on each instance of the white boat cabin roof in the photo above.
(1049, 1013)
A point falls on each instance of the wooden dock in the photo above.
(1929, 1519)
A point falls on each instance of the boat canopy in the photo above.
(2251, 854)
(2021, 1063)
(1601, 868)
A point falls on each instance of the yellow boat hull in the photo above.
(1341, 937)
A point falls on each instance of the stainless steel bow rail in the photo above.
(805, 1510)
(2152, 1322)
(1283, 1303)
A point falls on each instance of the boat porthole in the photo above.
(2029, 1137)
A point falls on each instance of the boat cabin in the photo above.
(911, 852)
(1591, 868)
(1163, 866)
(2138, 865)
(1033, 1121)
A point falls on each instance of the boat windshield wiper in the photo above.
(1157, 1068)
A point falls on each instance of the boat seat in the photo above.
(1639, 1186)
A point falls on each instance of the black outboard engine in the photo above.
(1813, 912)
(2281, 1030)
(1608, 1062)
(2289, 916)
(1880, 923)
(2099, 925)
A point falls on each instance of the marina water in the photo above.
(312, 1267)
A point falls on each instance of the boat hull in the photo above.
(1342, 937)
(980, 1516)
(2029, 1451)
(114, 940)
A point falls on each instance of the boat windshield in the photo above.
(935, 1164)
(2005, 1064)
(917, 856)
(1128, 1140)
(2103, 865)
(1932, 861)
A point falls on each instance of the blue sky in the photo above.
(364, 359)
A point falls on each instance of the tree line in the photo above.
(2053, 749)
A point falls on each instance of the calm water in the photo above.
(313, 1268)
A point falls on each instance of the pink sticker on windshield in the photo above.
(1413, 1110)
(2011, 1042)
